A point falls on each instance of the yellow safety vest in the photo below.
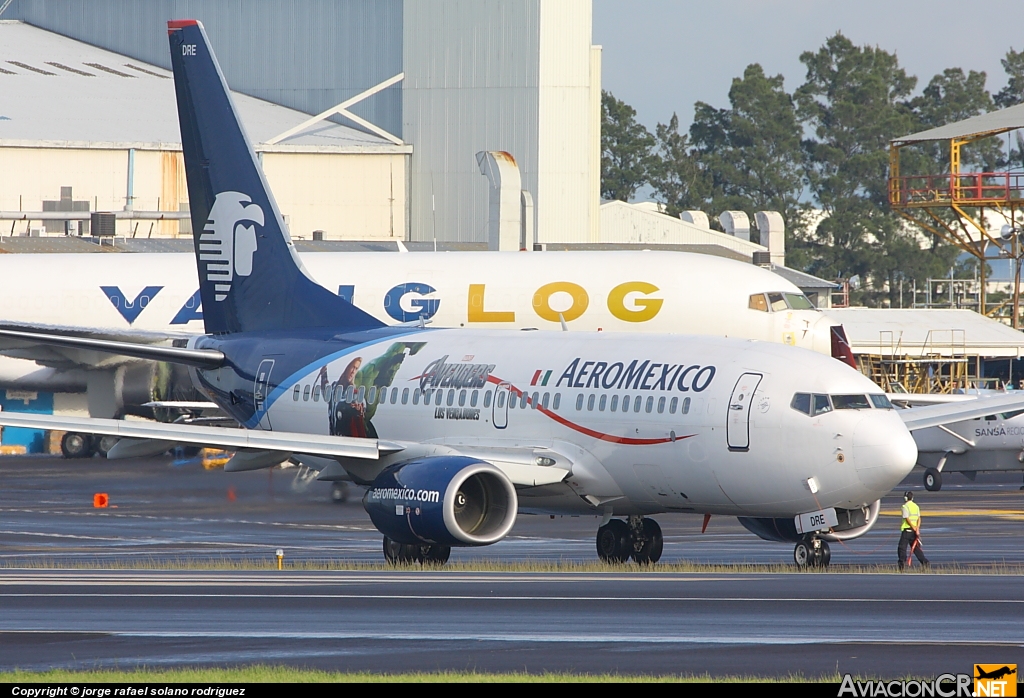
(911, 512)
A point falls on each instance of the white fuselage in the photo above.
(644, 424)
(661, 292)
(992, 443)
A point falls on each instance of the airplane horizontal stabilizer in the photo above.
(937, 415)
(230, 439)
(200, 358)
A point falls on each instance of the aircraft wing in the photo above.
(232, 439)
(916, 399)
(35, 343)
(937, 415)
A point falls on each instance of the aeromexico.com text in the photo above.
(404, 495)
(636, 375)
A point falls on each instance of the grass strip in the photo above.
(280, 674)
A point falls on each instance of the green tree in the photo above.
(626, 150)
(678, 180)
(751, 151)
(1013, 93)
(854, 101)
(951, 97)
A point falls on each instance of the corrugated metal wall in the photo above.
(304, 54)
(471, 85)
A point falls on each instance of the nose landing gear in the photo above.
(812, 552)
(640, 539)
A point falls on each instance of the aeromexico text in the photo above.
(636, 375)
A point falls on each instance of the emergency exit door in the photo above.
(737, 429)
(499, 408)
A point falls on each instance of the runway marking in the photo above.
(192, 519)
(553, 638)
(1002, 513)
(487, 597)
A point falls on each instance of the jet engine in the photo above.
(853, 523)
(134, 385)
(442, 500)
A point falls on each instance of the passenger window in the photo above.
(438, 397)
(462, 398)
(544, 400)
(777, 302)
(850, 402)
(661, 405)
(590, 403)
(686, 406)
(614, 404)
(758, 302)
(650, 404)
(305, 394)
(637, 403)
(991, 418)
(821, 405)
(501, 400)
(602, 403)
(350, 392)
(328, 391)
(474, 398)
(487, 399)
(673, 405)
(371, 395)
(360, 394)
(881, 402)
(625, 403)
(415, 397)
(558, 401)
(295, 393)
(579, 402)
(316, 392)
(512, 398)
(405, 397)
(802, 403)
(535, 401)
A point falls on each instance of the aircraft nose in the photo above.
(884, 452)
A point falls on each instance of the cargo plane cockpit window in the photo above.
(777, 301)
(798, 301)
(758, 302)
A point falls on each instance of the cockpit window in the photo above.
(821, 405)
(778, 302)
(881, 402)
(802, 403)
(1011, 415)
(798, 301)
(850, 402)
(758, 302)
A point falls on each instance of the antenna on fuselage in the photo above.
(561, 319)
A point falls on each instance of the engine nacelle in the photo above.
(442, 500)
(853, 523)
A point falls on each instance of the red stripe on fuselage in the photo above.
(624, 440)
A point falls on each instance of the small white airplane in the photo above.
(457, 430)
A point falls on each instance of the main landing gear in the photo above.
(812, 552)
(401, 554)
(640, 539)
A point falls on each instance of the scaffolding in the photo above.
(953, 205)
(941, 365)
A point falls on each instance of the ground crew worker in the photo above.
(910, 531)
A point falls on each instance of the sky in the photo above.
(661, 56)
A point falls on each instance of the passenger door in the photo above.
(261, 391)
(499, 408)
(738, 425)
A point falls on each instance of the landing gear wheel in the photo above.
(399, 553)
(435, 555)
(824, 555)
(104, 444)
(648, 551)
(614, 544)
(74, 445)
(803, 554)
(339, 492)
(932, 480)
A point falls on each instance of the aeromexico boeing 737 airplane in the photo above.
(455, 431)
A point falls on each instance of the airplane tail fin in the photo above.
(250, 277)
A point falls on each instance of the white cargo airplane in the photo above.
(457, 430)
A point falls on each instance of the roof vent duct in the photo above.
(697, 218)
(736, 223)
(504, 229)
(773, 235)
